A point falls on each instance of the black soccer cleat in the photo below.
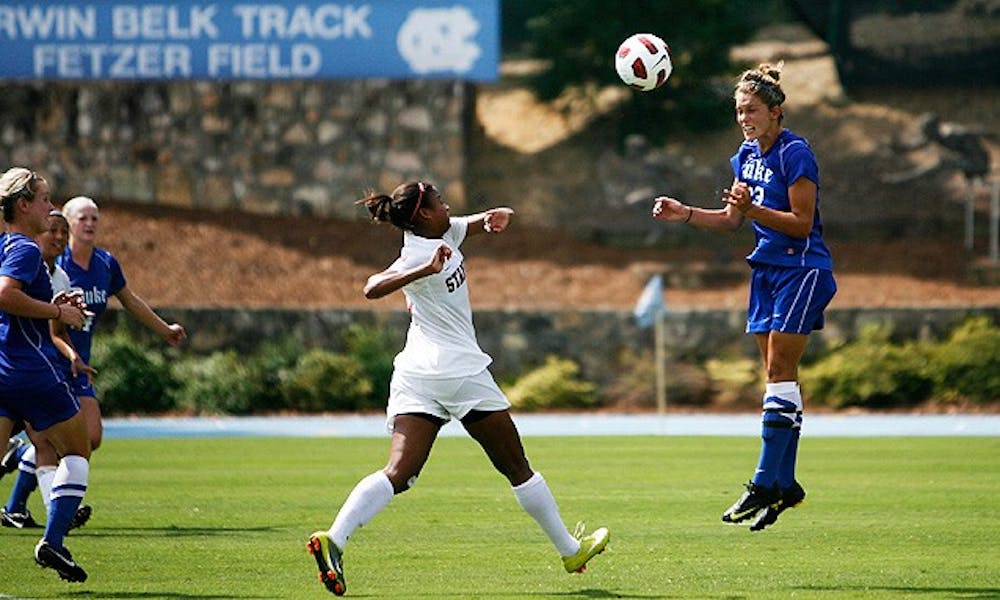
(60, 560)
(18, 520)
(790, 498)
(81, 517)
(754, 499)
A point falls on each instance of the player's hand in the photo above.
(78, 366)
(71, 315)
(666, 208)
(738, 197)
(441, 255)
(175, 335)
(496, 220)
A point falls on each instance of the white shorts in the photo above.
(443, 398)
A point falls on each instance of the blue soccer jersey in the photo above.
(769, 177)
(101, 280)
(28, 358)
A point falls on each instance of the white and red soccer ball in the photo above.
(643, 61)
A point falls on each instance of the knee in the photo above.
(516, 471)
(400, 480)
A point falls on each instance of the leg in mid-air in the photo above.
(781, 421)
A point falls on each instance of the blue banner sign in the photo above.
(230, 40)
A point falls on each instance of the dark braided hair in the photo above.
(401, 207)
(763, 83)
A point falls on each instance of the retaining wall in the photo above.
(597, 340)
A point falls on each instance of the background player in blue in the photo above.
(776, 186)
(32, 386)
(96, 272)
(38, 461)
(441, 374)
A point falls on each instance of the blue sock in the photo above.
(786, 470)
(775, 438)
(61, 513)
(23, 486)
(68, 489)
(782, 405)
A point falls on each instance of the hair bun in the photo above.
(771, 71)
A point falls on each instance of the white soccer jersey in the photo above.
(441, 342)
(60, 281)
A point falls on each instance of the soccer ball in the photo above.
(643, 61)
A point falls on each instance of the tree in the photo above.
(579, 40)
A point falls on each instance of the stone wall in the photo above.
(304, 147)
(600, 341)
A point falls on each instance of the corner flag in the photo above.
(650, 302)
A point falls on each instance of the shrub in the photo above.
(870, 372)
(269, 366)
(967, 365)
(323, 381)
(736, 381)
(552, 385)
(131, 378)
(374, 350)
(221, 383)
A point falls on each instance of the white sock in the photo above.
(27, 462)
(71, 477)
(367, 499)
(45, 475)
(536, 499)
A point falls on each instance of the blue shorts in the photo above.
(40, 409)
(81, 385)
(788, 299)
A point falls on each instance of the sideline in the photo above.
(560, 425)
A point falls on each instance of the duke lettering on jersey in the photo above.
(755, 170)
(95, 296)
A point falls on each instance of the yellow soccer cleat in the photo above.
(327, 555)
(590, 546)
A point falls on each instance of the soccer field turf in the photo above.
(229, 518)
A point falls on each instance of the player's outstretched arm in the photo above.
(172, 333)
(493, 220)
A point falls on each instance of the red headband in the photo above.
(420, 197)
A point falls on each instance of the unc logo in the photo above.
(439, 40)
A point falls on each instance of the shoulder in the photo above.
(790, 143)
(743, 150)
(459, 227)
(105, 257)
(15, 242)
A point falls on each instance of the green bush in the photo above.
(967, 365)
(552, 385)
(131, 378)
(269, 366)
(375, 351)
(221, 383)
(870, 372)
(323, 381)
(736, 381)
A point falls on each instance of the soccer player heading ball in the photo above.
(776, 186)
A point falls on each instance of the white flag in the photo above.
(650, 302)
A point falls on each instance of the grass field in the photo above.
(192, 519)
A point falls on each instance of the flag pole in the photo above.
(661, 362)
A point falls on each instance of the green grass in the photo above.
(885, 518)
